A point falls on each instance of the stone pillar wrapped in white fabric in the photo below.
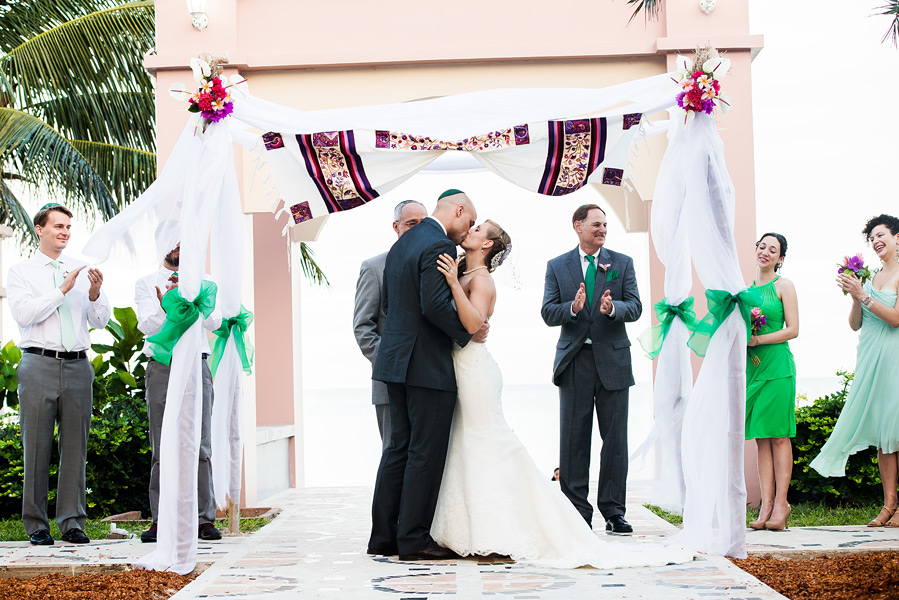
(713, 429)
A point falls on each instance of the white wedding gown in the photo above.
(493, 499)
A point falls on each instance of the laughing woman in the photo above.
(771, 382)
(870, 416)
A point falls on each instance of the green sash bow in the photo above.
(180, 314)
(652, 339)
(236, 326)
(721, 304)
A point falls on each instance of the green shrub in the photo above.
(118, 449)
(814, 425)
(118, 461)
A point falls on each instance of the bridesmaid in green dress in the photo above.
(771, 382)
(870, 416)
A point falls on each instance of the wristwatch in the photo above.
(868, 300)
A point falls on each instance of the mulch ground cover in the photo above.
(872, 576)
(125, 585)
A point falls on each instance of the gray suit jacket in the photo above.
(611, 348)
(369, 317)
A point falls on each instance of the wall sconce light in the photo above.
(197, 9)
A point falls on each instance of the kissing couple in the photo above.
(454, 479)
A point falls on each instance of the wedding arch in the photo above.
(549, 141)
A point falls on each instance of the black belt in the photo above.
(204, 356)
(58, 355)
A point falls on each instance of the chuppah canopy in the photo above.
(550, 141)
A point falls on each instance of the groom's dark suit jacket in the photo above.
(417, 343)
(611, 348)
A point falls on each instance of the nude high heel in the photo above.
(779, 525)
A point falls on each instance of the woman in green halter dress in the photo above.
(870, 416)
(771, 382)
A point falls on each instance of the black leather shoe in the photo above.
(41, 537)
(617, 524)
(431, 552)
(75, 536)
(382, 551)
(149, 535)
(208, 532)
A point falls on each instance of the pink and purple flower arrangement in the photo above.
(854, 265)
(759, 320)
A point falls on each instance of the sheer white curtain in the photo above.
(674, 375)
(713, 427)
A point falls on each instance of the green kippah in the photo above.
(50, 205)
(450, 192)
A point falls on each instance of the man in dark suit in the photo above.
(591, 292)
(369, 312)
(415, 361)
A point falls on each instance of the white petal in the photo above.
(718, 66)
(200, 68)
(240, 83)
(684, 64)
(178, 91)
(724, 104)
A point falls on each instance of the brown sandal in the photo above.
(885, 517)
(894, 520)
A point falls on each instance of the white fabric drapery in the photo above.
(197, 191)
(713, 424)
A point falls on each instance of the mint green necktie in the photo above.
(65, 311)
(590, 280)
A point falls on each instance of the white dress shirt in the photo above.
(151, 316)
(34, 297)
(584, 264)
(439, 224)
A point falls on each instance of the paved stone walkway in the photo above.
(316, 549)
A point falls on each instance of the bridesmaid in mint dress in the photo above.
(771, 382)
(870, 416)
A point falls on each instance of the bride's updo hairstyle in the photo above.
(502, 246)
(498, 252)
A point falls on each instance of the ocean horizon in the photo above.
(342, 446)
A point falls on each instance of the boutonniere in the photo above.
(610, 275)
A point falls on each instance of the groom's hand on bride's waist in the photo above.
(481, 335)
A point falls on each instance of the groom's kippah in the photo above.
(450, 192)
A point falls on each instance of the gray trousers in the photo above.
(157, 385)
(54, 393)
(580, 394)
(382, 411)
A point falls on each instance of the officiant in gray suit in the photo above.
(368, 314)
(591, 292)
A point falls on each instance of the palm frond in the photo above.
(649, 8)
(137, 132)
(127, 172)
(23, 19)
(891, 8)
(85, 59)
(50, 163)
(311, 270)
(13, 214)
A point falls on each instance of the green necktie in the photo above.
(65, 311)
(590, 280)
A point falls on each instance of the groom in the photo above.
(591, 292)
(415, 361)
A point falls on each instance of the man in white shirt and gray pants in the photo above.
(55, 299)
(148, 293)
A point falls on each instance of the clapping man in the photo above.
(148, 293)
(369, 313)
(55, 299)
(591, 292)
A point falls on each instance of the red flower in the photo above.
(205, 102)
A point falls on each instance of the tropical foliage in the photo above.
(77, 109)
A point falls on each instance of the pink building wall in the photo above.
(351, 38)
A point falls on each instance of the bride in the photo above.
(493, 499)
